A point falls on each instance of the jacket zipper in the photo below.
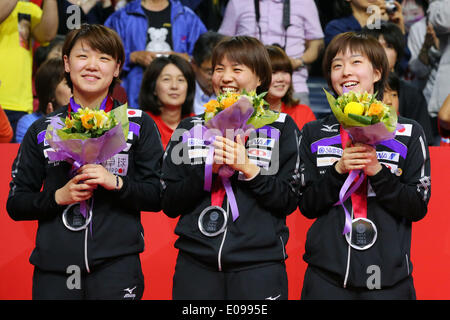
(86, 231)
(347, 269)
(219, 255)
(407, 263)
(282, 247)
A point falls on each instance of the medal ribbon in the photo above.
(355, 186)
(106, 105)
(217, 194)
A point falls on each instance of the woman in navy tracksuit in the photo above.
(101, 261)
(396, 192)
(245, 260)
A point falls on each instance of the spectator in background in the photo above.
(52, 92)
(152, 28)
(202, 66)
(16, 65)
(280, 94)
(6, 132)
(439, 17)
(167, 93)
(211, 12)
(353, 15)
(88, 11)
(299, 34)
(413, 11)
(425, 55)
(444, 123)
(412, 103)
(53, 50)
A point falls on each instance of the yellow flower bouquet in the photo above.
(365, 118)
(89, 123)
(260, 112)
(88, 136)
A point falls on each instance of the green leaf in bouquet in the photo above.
(364, 120)
(390, 119)
(208, 116)
(374, 120)
(63, 135)
(260, 120)
(78, 126)
(120, 115)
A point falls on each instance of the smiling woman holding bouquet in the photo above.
(364, 254)
(232, 194)
(90, 235)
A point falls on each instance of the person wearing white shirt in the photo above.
(201, 63)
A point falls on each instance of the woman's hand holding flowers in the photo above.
(234, 155)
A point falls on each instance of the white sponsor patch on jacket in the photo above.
(281, 117)
(193, 142)
(391, 166)
(405, 131)
(261, 142)
(326, 161)
(327, 150)
(197, 153)
(117, 164)
(260, 153)
(132, 113)
(385, 155)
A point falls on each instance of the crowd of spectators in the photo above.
(414, 33)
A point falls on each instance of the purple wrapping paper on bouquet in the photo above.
(228, 123)
(373, 134)
(93, 150)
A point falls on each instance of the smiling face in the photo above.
(233, 76)
(281, 81)
(354, 71)
(91, 71)
(171, 87)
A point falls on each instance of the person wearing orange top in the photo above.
(170, 98)
(6, 131)
(280, 94)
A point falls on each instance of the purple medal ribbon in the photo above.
(75, 106)
(346, 192)
(224, 172)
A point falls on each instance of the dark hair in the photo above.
(342, 8)
(248, 51)
(424, 4)
(280, 62)
(100, 38)
(48, 76)
(391, 34)
(204, 46)
(393, 82)
(149, 101)
(361, 43)
(41, 53)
